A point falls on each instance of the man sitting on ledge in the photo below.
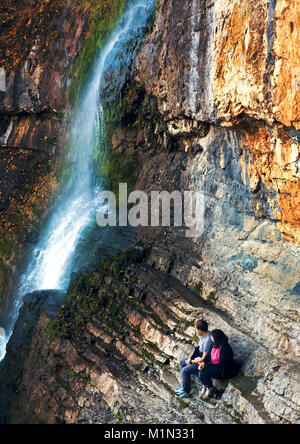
(189, 366)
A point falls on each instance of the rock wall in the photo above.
(230, 63)
(212, 106)
(227, 65)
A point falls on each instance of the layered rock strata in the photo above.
(116, 346)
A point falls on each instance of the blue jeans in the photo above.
(186, 372)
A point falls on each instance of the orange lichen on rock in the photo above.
(286, 81)
(272, 159)
(240, 51)
(255, 62)
(22, 25)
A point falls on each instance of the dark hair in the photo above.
(202, 325)
(219, 337)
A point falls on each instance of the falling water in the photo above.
(51, 263)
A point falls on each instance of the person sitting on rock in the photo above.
(189, 366)
(218, 364)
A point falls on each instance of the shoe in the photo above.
(182, 395)
(202, 391)
(180, 392)
(179, 389)
(209, 393)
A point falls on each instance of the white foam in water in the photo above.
(3, 342)
(50, 266)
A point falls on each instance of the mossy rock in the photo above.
(86, 297)
(198, 288)
(245, 384)
(212, 297)
(6, 249)
(103, 16)
(119, 168)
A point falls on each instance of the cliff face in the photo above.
(232, 66)
(213, 107)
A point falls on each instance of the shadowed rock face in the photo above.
(215, 109)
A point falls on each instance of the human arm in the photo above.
(193, 359)
(200, 359)
(201, 366)
(189, 360)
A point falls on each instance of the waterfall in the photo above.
(50, 266)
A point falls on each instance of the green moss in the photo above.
(85, 298)
(6, 248)
(56, 329)
(182, 404)
(212, 297)
(62, 383)
(119, 168)
(236, 416)
(149, 358)
(198, 288)
(63, 171)
(82, 376)
(155, 347)
(158, 325)
(103, 16)
(196, 339)
(122, 414)
(118, 263)
(167, 387)
(245, 384)
(137, 330)
(122, 110)
(115, 314)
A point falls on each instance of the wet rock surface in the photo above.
(46, 48)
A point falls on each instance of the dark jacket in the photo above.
(227, 365)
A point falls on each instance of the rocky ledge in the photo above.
(111, 355)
